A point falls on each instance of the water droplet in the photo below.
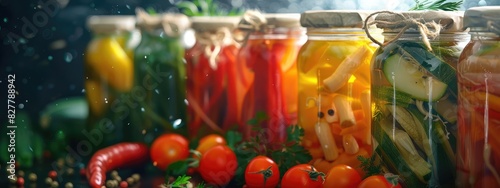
(106, 100)
(5, 20)
(21, 106)
(83, 90)
(170, 77)
(128, 6)
(26, 100)
(50, 58)
(31, 149)
(68, 57)
(168, 98)
(118, 12)
(157, 92)
(176, 123)
(22, 41)
(145, 57)
(186, 102)
(142, 109)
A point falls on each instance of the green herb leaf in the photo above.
(232, 138)
(176, 169)
(437, 5)
(368, 165)
(180, 182)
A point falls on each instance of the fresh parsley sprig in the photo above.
(205, 8)
(437, 5)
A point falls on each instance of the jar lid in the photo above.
(213, 23)
(254, 20)
(110, 24)
(450, 21)
(334, 18)
(172, 23)
(289, 20)
(483, 17)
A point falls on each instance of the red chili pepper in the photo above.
(118, 155)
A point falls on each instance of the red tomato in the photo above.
(168, 148)
(262, 172)
(210, 141)
(342, 176)
(302, 175)
(218, 165)
(377, 181)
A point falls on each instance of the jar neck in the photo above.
(156, 34)
(483, 34)
(278, 33)
(339, 34)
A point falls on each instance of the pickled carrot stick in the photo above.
(199, 112)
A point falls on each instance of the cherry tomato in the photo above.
(218, 165)
(377, 181)
(210, 141)
(262, 172)
(341, 176)
(302, 175)
(168, 148)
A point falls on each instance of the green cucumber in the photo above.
(432, 63)
(392, 158)
(447, 109)
(407, 76)
(68, 115)
(442, 145)
(393, 96)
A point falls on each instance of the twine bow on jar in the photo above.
(251, 21)
(405, 23)
(215, 40)
(172, 24)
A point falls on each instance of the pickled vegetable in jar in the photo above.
(157, 100)
(109, 71)
(414, 95)
(212, 86)
(478, 148)
(268, 73)
(334, 88)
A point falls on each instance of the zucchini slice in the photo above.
(409, 77)
(432, 63)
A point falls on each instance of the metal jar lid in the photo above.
(333, 19)
(487, 18)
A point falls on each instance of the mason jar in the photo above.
(109, 74)
(414, 95)
(157, 101)
(478, 149)
(334, 88)
(268, 74)
(212, 93)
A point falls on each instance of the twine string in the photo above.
(251, 21)
(406, 23)
(151, 22)
(216, 40)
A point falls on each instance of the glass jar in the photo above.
(478, 152)
(158, 97)
(334, 88)
(211, 76)
(268, 74)
(109, 74)
(414, 96)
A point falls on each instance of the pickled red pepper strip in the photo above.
(232, 108)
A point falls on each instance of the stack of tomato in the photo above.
(217, 165)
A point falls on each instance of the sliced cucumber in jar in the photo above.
(409, 77)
